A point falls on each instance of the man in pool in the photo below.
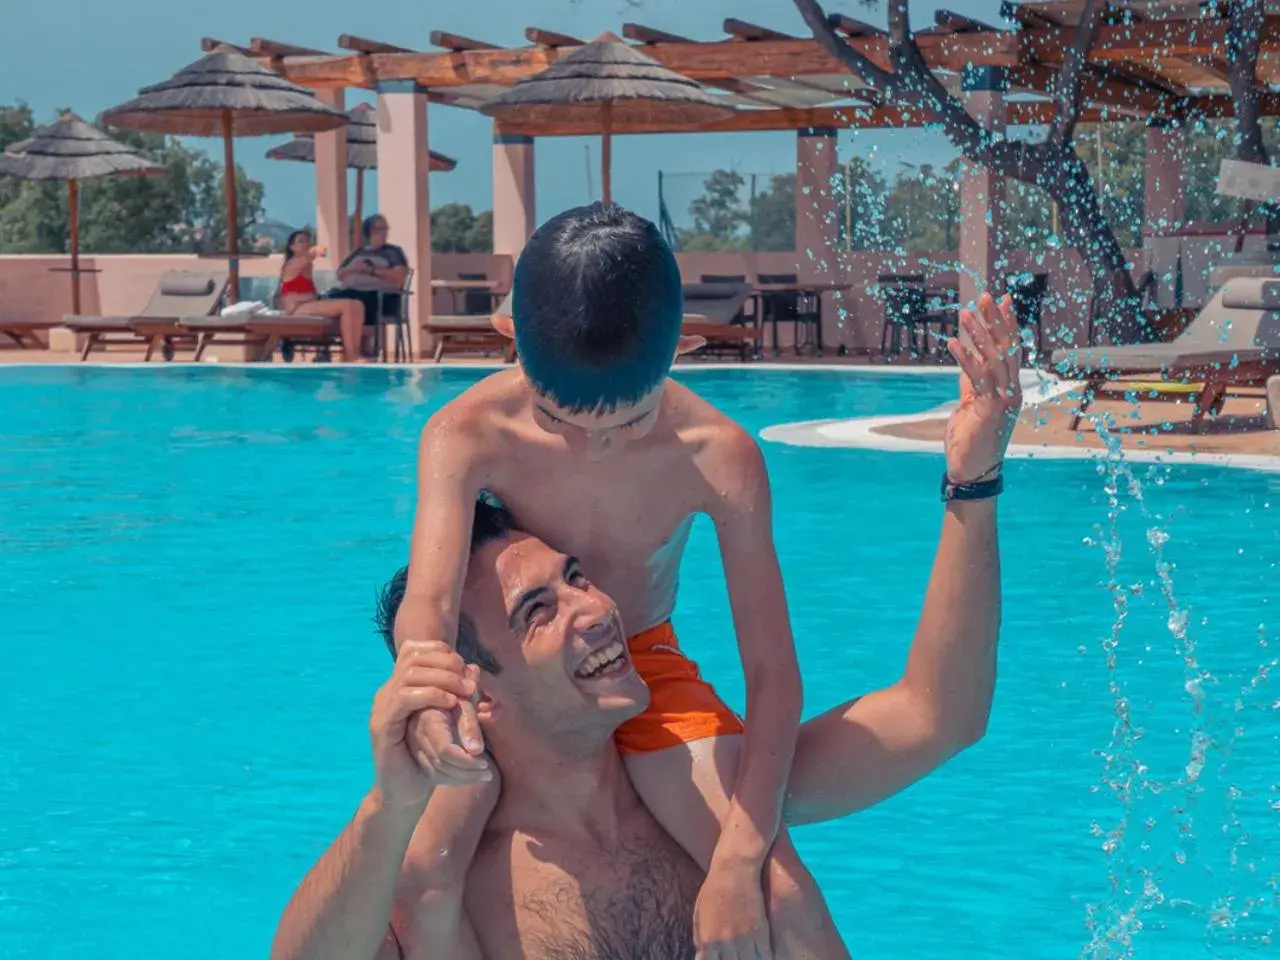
(571, 864)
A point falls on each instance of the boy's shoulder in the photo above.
(481, 412)
(716, 441)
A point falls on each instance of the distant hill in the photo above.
(275, 231)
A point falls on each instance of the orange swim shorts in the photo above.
(682, 706)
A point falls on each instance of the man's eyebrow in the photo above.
(571, 565)
(526, 598)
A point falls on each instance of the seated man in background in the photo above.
(374, 274)
(571, 864)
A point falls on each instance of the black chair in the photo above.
(904, 314)
(476, 303)
(1027, 291)
(745, 318)
(394, 313)
(803, 308)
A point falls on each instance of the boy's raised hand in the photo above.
(447, 743)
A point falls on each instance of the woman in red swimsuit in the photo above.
(298, 294)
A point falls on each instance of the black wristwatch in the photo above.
(977, 490)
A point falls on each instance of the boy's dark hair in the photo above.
(597, 304)
(492, 521)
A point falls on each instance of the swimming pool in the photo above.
(187, 563)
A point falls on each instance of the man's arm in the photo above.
(743, 515)
(394, 274)
(858, 754)
(348, 266)
(342, 909)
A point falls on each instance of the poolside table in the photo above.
(801, 288)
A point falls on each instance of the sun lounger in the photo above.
(267, 331)
(1233, 342)
(22, 331)
(470, 332)
(714, 311)
(179, 294)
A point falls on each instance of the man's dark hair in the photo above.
(597, 303)
(492, 521)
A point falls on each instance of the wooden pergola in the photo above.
(1153, 59)
(1149, 61)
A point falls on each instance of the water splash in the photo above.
(1138, 879)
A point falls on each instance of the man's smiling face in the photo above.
(566, 671)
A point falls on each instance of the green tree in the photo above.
(860, 193)
(922, 210)
(181, 211)
(717, 215)
(456, 229)
(773, 215)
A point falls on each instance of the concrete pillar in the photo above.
(1166, 187)
(817, 164)
(333, 229)
(403, 196)
(982, 262)
(514, 209)
(1165, 205)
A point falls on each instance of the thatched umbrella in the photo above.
(70, 149)
(362, 154)
(603, 83)
(226, 94)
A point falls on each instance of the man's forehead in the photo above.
(508, 566)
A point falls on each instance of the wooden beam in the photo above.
(455, 41)
(758, 121)
(1147, 42)
(1026, 16)
(947, 21)
(855, 28)
(1099, 90)
(362, 45)
(210, 44)
(639, 33)
(263, 47)
(704, 62)
(752, 31)
(549, 38)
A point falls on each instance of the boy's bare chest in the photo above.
(625, 516)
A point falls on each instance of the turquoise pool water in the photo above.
(187, 563)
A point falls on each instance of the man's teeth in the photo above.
(601, 660)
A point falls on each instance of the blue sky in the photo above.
(91, 55)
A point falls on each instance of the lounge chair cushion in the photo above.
(1251, 293)
(1177, 360)
(712, 291)
(98, 324)
(460, 324)
(175, 284)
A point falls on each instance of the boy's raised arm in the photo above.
(438, 555)
(743, 515)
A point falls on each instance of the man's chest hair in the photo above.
(631, 902)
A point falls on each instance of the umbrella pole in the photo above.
(73, 223)
(356, 237)
(233, 238)
(606, 153)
